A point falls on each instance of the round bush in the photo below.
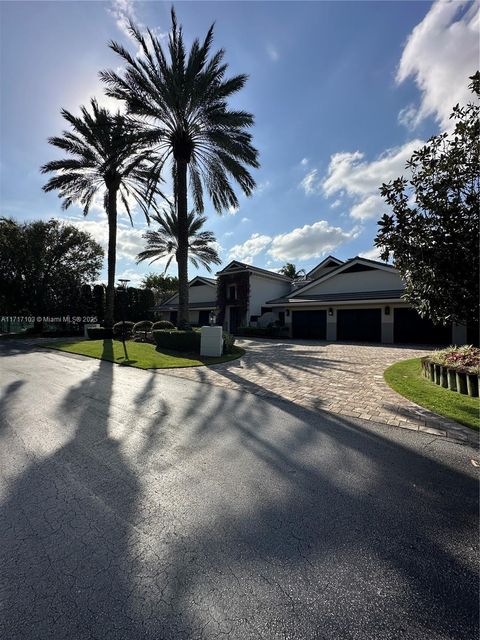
(143, 325)
(162, 324)
(123, 329)
(228, 342)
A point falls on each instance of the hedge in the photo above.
(162, 324)
(99, 333)
(264, 332)
(186, 341)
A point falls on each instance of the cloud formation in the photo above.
(303, 243)
(246, 251)
(310, 183)
(441, 53)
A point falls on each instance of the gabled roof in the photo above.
(388, 294)
(235, 267)
(329, 261)
(211, 282)
(345, 266)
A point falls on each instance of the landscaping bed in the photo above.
(142, 355)
(455, 368)
(406, 378)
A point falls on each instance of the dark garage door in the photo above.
(361, 325)
(410, 328)
(309, 324)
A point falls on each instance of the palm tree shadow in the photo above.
(75, 509)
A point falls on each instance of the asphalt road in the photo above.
(137, 505)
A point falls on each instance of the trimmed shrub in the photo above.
(271, 331)
(185, 341)
(99, 333)
(162, 324)
(123, 329)
(228, 342)
(143, 327)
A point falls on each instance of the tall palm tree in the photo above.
(290, 270)
(163, 243)
(183, 98)
(109, 156)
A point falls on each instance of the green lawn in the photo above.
(138, 354)
(406, 378)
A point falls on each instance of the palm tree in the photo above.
(110, 156)
(290, 270)
(183, 98)
(163, 243)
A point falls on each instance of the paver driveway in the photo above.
(346, 379)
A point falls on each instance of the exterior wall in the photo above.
(459, 334)
(203, 293)
(263, 289)
(375, 280)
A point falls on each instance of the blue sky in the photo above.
(342, 93)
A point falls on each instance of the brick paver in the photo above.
(346, 379)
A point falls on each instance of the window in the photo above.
(232, 292)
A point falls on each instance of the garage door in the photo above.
(360, 325)
(309, 324)
(410, 328)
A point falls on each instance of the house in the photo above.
(356, 300)
(202, 293)
(242, 291)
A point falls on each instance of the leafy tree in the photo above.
(290, 270)
(433, 231)
(163, 242)
(109, 157)
(43, 266)
(162, 286)
(183, 98)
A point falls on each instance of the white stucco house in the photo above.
(356, 300)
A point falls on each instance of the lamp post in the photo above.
(123, 285)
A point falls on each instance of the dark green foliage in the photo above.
(123, 329)
(174, 340)
(290, 270)
(44, 267)
(143, 327)
(228, 342)
(272, 331)
(163, 242)
(133, 303)
(162, 286)
(163, 324)
(434, 242)
(99, 333)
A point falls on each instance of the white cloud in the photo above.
(350, 173)
(227, 234)
(371, 254)
(441, 53)
(129, 239)
(336, 204)
(135, 277)
(304, 162)
(371, 207)
(246, 251)
(123, 11)
(233, 210)
(310, 183)
(309, 241)
(245, 220)
(272, 53)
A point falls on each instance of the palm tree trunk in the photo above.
(112, 256)
(182, 250)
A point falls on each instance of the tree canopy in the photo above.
(43, 265)
(433, 230)
(290, 270)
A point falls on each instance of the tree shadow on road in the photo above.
(268, 521)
